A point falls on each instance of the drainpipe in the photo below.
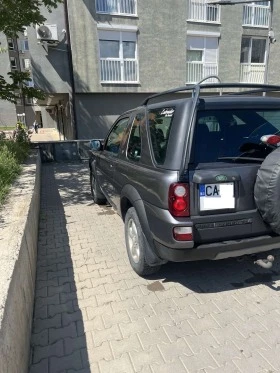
(268, 42)
(70, 60)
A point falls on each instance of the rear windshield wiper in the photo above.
(241, 159)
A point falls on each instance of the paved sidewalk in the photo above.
(94, 314)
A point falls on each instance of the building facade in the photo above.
(126, 49)
(111, 54)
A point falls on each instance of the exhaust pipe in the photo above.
(265, 263)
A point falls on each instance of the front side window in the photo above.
(118, 57)
(121, 7)
(159, 125)
(116, 136)
(225, 133)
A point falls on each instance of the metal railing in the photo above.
(252, 73)
(117, 70)
(196, 71)
(256, 15)
(116, 6)
(199, 10)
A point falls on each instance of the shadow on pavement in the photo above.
(221, 275)
(58, 338)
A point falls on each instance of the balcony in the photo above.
(256, 15)
(199, 70)
(116, 70)
(119, 7)
(252, 73)
(200, 11)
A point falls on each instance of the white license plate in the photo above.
(216, 196)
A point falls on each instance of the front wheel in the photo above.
(96, 193)
(135, 245)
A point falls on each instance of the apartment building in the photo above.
(43, 51)
(126, 49)
(110, 54)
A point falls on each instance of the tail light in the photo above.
(179, 199)
(271, 140)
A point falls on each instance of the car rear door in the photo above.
(222, 173)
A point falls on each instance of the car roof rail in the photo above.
(196, 88)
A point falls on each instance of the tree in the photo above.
(15, 15)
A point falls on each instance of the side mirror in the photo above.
(95, 145)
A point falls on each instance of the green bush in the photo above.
(12, 155)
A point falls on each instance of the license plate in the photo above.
(216, 196)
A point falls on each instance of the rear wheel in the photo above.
(97, 195)
(135, 245)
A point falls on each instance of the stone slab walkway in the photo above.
(94, 314)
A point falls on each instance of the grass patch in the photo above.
(12, 155)
(7, 128)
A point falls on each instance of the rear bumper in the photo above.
(219, 250)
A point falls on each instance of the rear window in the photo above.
(223, 133)
(159, 125)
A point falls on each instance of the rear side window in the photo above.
(224, 133)
(159, 125)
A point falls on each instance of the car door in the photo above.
(109, 156)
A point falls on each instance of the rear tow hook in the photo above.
(265, 263)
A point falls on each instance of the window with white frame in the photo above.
(13, 63)
(252, 59)
(11, 44)
(253, 50)
(202, 57)
(256, 14)
(118, 56)
(24, 45)
(120, 7)
(26, 63)
(201, 11)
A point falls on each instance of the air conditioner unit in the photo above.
(47, 33)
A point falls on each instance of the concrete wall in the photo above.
(50, 68)
(18, 254)
(97, 112)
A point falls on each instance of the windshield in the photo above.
(233, 133)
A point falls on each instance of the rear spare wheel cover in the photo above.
(267, 190)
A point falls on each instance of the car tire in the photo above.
(97, 195)
(267, 190)
(135, 244)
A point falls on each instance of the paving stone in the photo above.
(61, 308)
(51, 322)
(61, 333)
(171, 351)
(140, 359)
(55, 349)
(120, 365)
(176, 367)
(73, 361)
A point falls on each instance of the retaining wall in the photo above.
(18, 254)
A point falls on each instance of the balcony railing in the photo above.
(200, 11)
(199, 70)
(252, 72)
(116, 70)
(256, 15)
(123, 7)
